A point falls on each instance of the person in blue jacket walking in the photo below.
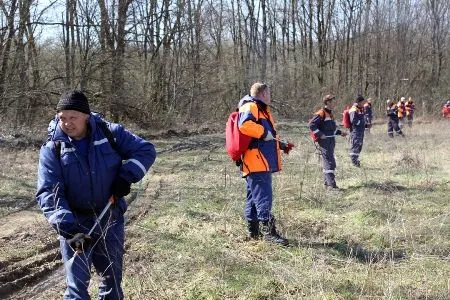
(357, 128)
(80, 171)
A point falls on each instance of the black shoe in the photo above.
(270, 233)
(357, 164)
(253, 230)
(334, 188)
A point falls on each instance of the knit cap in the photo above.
(359, 98)
(73, 100)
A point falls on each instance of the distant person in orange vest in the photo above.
(391, 113)
(410, 107)
(446, 109)
(368, 115)
(401, 111)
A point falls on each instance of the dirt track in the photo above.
(31, 250)
(32, 268)
(30, 262)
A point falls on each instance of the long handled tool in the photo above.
(99, 218)
(97, 221)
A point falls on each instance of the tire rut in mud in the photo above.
(36, 275)
(16, 275)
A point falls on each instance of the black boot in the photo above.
(253, 230)
(269, 231)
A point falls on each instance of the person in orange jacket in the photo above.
(410, 107)
(401, 111)
(259, 162)
(368, 115)
(446, 110)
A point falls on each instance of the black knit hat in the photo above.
(359, 98)
(73, 100)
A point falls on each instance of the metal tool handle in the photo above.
(99, 218)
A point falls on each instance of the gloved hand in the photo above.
(269, 136)
(120, 187)
(80, 241)
(286, 146)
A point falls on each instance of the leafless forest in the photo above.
(165, 62)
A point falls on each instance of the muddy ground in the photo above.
(30, 262)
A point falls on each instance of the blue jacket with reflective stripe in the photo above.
(74, 183)
(357, 120)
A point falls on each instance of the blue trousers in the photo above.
(258, 205)
(356, 140)
(393, 126)
(105, 254)
(329, 162)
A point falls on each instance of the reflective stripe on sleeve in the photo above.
(102, 141)
(54, 217)
(137, 163)
(328, 171)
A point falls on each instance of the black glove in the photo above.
(80, 241)
(120, 187)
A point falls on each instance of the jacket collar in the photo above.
(327, 109)
(249, 98)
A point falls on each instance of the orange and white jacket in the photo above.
(256, 120)
(401, 110)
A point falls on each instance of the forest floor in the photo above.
(385, 236)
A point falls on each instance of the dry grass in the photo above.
(387, 236)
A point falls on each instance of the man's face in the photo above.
(331, 104)
(361, 103)
(266, 96)
(73, 123)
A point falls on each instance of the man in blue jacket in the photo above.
(323, 127)
(357, 128)
(80, 170)
(392, 114)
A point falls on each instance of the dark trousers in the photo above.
(393, 126)
(328, 161)
(258, 205)
(105, 254)
(356, 140)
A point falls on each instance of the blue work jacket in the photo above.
(71, 186)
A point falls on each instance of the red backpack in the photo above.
(236, 142)
(346, 119)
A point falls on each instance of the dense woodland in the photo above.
(159, 63)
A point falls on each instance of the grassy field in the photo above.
(385, 236)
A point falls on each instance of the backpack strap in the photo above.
(57, 145)
(109, 135)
